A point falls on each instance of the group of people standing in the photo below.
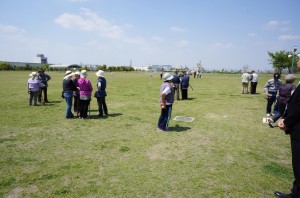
(181, 84)
(80, 88)
(251, 77)
(37, 86)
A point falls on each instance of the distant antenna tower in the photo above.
(130, 63)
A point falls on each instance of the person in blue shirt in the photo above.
(184, 84)
(271, 89)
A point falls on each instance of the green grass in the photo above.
(225, 152)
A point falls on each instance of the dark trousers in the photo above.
(102, 106)
(164, 117)
(76, 104)
(44, 92)
(271, 100)
(184, 93)
(253, 87)
(295, 147)
(84, 107)
(279, 113)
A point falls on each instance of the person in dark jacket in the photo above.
(184, 84)
(285, 92)
(68, 88)
(43, 78)
(290, 123)
(166, 101)
(101, 94)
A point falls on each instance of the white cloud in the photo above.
(80, 1)
(91, 22)
(177, 29)
(218, 46)
(251, 34)
(10, 29)
(183, 43)
(157, 39)
(289, 37)
(275, 24)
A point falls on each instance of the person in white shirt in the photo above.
(245, 82)
(254, 81)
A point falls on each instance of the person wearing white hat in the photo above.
(76, 105)
(68, 88)
(85, 92)
(100, 94)
(34, 86)
(166, 101)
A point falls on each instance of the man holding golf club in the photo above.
(166, 101)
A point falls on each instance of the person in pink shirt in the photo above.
(86, 89)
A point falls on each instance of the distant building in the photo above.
(43, 60)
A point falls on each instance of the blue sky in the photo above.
(225, 34)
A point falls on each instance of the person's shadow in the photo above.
(105, 116)
(178, 129)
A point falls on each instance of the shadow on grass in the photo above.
(51, 103)
(103, 117)
(178, 128)
(279, 170)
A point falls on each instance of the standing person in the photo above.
(291, 125)
(86, 89)
(33, 87)
(284, 93)
(185, 85)
(166, 101)
(44, 78)
(68, 88)
(271, 89)
(101, 94)
(254, 82)
(245, 82)
(76, 94)
(176, 82)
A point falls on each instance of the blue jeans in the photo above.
(164, 118)
(69, 99)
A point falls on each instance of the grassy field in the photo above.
(225, 152)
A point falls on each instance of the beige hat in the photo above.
(33, 74)
(83, 73)
(167, 77)
(68, 74)
(77, 73)
(100, 73)
(290, 78)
